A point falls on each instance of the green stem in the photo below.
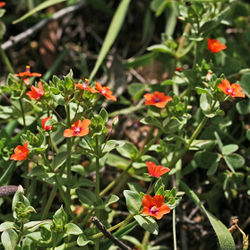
(174, 229)
(145, 149)
(49, 202)
(97, 187)
(22, 111)
(145, 240)
(20, 233)
(6, 60)
(69, 152)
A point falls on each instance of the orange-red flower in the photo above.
(156, 170)
(215, 46)
(154, 206)
(105, 91)
(157, 99)
(233, 90)
(84, 86)
(2, 4)
(36, 93)
(27, 73)
(44, 126)
(79, 128)
(21, 152)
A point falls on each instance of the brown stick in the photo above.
(27, 33)
(114, 239)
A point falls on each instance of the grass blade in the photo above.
(225, 238)
(39, 7)
(111, 35)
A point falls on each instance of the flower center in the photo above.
(230, 92)
(77, 130)
(157, 99)
(154, 209)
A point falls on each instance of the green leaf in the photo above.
(111, 199)
(83, 241)
(205, 102)
(206, 159)
(73, 229)
(248, 134)
(128, 150)
(243, 107)
(224, 236)
(59, 160)
(9, 239)
(111, 35)
(203, 91)
(234, 161)
(39, 7)
(228, 149)
(112, 144)
(6, 225)
(133, 201)
(160, 48)
(136, 90)
(244, 83)
(104, 114)
(86, 196)
(147, 223)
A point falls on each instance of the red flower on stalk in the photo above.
(21, 152)
(154, 206)
(44, 126)
(79, 128)
(233, 90)
(156, 170)
(215, 46)
(36, 93)
(85, 86)
(157, 99)
(105, 91)
(2, 4)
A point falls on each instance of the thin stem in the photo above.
(49, 202)
(23, 116)
(68, 163)
(174, 229)
(6, 60)
(145, 240)
(97, 187)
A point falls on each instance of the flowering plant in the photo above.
(88, 162)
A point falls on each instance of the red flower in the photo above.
(21, 152)
(27, 73)
(215, 46)
(105, 91)
(36, 93)
(154, 206)
(79, 128)
(179, 69)
(85, 86)
(156, 170)
(2, 4)
(233, 90)
(48, 127)
(157, 99)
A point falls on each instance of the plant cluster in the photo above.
(59, 138)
